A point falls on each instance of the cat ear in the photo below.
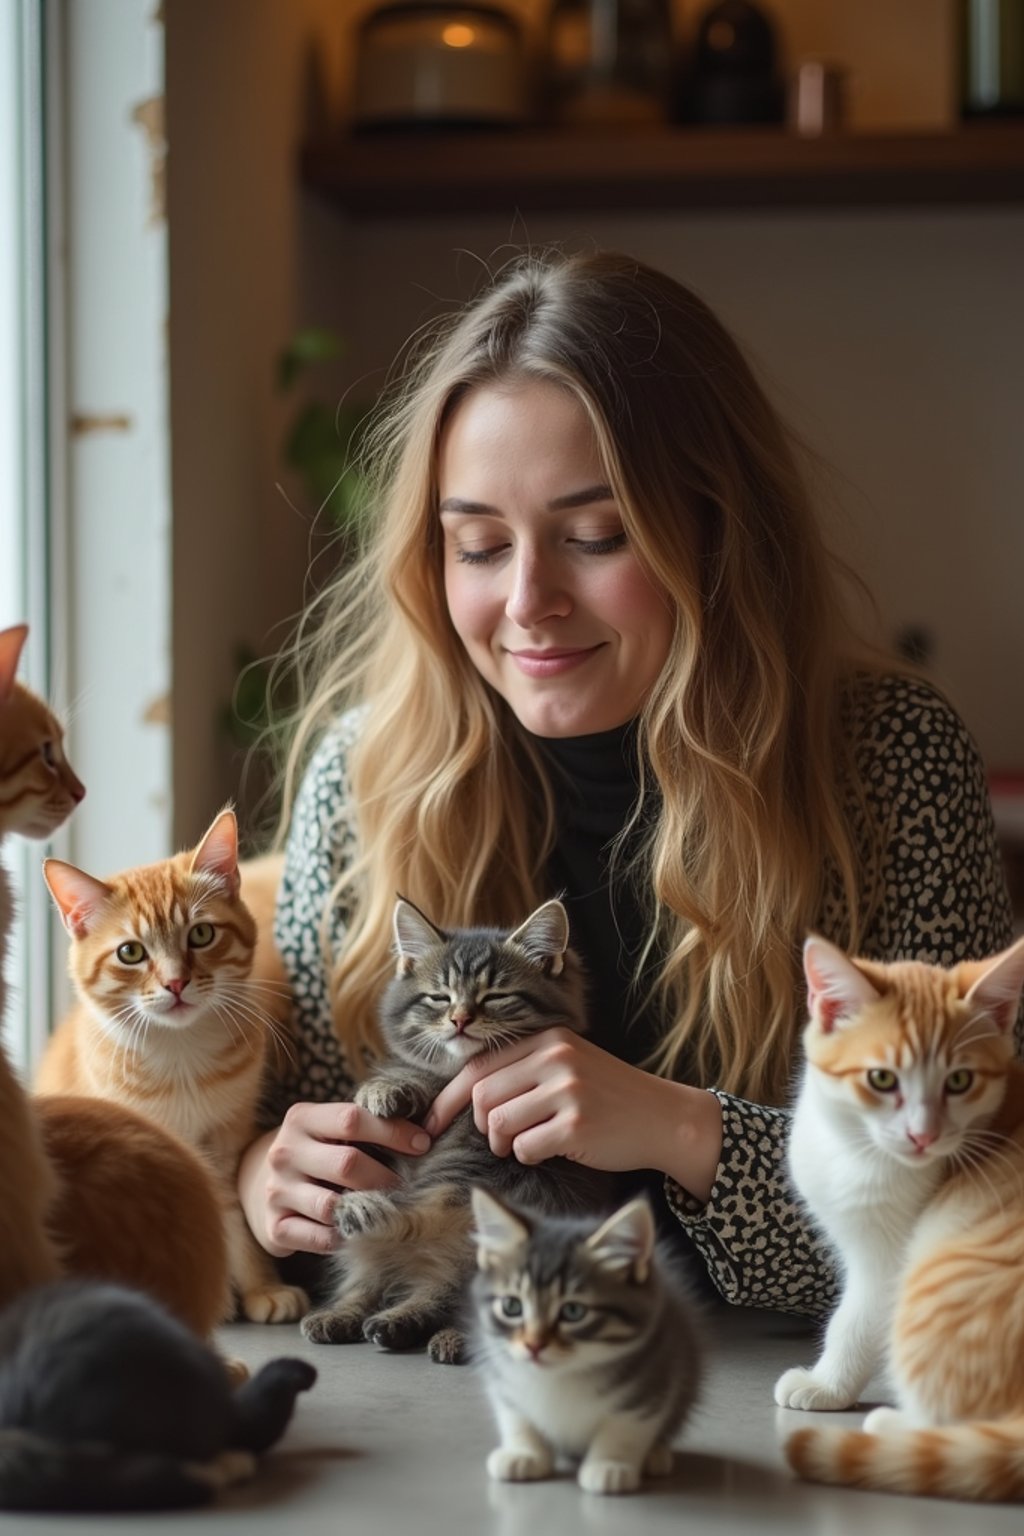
(217, 854)
(836, 989)
(79, 897)
(498, 1231)
(545, 936)
(415, 935)
(625, 1243)
(11, 642)
(996, 990)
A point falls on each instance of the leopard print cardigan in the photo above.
(942, 897)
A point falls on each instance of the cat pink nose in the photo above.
(923, 1139)
(536, 1347)
(461, 1018)
(177, 986)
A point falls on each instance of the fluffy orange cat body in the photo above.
(908, 1146)
(169, 1021)
(38, 791)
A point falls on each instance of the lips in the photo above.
(553, 661)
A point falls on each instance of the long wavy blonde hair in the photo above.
(740, 739)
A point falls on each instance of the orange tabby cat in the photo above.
(908, 1147)
(37, 792)
(169, 1021)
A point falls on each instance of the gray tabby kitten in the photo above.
(586, 1343)
(407, 1257)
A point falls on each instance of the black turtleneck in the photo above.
(595, 783)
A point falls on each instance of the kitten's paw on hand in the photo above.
(800, 1388)
(391, 1101)
(519, 1466)
(275, 1304)
(600, 1476)
(367, 1210)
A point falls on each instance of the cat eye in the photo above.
(131, 953)
(47, 754)
(439, 997)
(959, 1081)
(572, 1312)
(882, 1080)
(510, 1306)
(200, 934)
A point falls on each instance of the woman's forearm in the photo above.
(687, 1137)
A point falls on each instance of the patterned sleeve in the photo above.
(942, 897)
(321, 840)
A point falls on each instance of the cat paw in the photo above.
(600, 1476)
(275, 1304)
(448, 1346)
(327, 1327)
(882, 1421)
(388, 1100)
(800, 1388)
(659, 1461)
(519, 1466)
(396, 1332)
(363, 1211)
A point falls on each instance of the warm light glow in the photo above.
(458, 35)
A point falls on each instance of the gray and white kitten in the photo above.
(407, 1259)
(585, 1341)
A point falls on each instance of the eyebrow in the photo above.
(584, 498)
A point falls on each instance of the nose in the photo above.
(461, 1018)
(536, 1346)
(77, 789)
(923, 1139)
(177, 985)
(536, 593)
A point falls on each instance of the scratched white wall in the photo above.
(117, 588)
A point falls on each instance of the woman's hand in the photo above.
(291, 1179)
(557, 1095)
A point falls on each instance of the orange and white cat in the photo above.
(170, 1021)
(908, 1150)
(38, 791)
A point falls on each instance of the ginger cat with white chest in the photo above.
(171, 1021)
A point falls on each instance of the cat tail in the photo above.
(265, 1402)
(981, 1461)
(40, 1474)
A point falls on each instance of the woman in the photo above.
(597, 647)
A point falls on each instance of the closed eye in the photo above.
(438, 997)
(606, 546)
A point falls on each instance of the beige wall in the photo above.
(892, 339)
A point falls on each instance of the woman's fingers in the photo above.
(348, 1122)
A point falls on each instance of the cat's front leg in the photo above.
(853, 1351)
(618, 1455)
(264, 1296)
(394, 1095)
(524, 1455)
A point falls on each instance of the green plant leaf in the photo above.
(315, 344)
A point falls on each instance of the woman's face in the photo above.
(543, 588)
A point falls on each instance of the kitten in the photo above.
(908, 1149)
(108, 1403)
(38, 791)
(169, 1022)
(586, 1342)
(407, 1256)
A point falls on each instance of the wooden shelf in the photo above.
(391, 175)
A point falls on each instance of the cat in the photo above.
(407, 1257)
(170, 1023)
(108, 1403)
(908, 1148)
(586, 1342)
(38, 791)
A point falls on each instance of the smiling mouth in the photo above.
(548, 663)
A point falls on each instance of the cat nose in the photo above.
(461, 1017)
(923, 1139)
(177, 985)
(535, 1346)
